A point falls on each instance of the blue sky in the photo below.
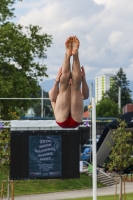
(104, 28)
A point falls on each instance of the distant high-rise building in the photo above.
(102, 84)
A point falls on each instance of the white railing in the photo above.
(5, 124)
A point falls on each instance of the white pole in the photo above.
(42, 102)
(91, 90)
(42, 91)
(94, 158)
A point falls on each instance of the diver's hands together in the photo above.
(57, 80)
(83, 73)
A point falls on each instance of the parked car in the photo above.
(89, 143)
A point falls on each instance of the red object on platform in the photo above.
(128, 108)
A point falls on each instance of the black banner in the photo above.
(44, 154)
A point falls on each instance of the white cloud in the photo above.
(130, 69)
(100, 1)
(106, 71)
(104, 28)
(116, 38)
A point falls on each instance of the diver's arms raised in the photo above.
(53, 93)
(85, 88)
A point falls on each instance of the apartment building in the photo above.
(102, 84)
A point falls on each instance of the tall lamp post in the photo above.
(42, 101)
(94, 155)
(92, 108)
(44, 57)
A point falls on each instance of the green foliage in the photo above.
(21, 49)
(107, 108)
(120, 80)
(20, 112)
(5, 143)
(48, 111)
(122, 150)
(5, 149)
(6, 9)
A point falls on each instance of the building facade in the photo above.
(102, 84)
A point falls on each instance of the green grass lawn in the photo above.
(24, 187)
(111, 197)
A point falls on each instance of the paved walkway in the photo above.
(77, 193)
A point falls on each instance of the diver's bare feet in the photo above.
(68, 45)
(75, 45)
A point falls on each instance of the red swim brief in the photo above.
(68, 123)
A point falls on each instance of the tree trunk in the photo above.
(8, 188)
(120, 196)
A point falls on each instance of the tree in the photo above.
(6, 10)
(48, 111)
(119, 80)
(107, 108)
(85, 108)
(120, 157)
(5, 149)
(5, 144)
(20, 51)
